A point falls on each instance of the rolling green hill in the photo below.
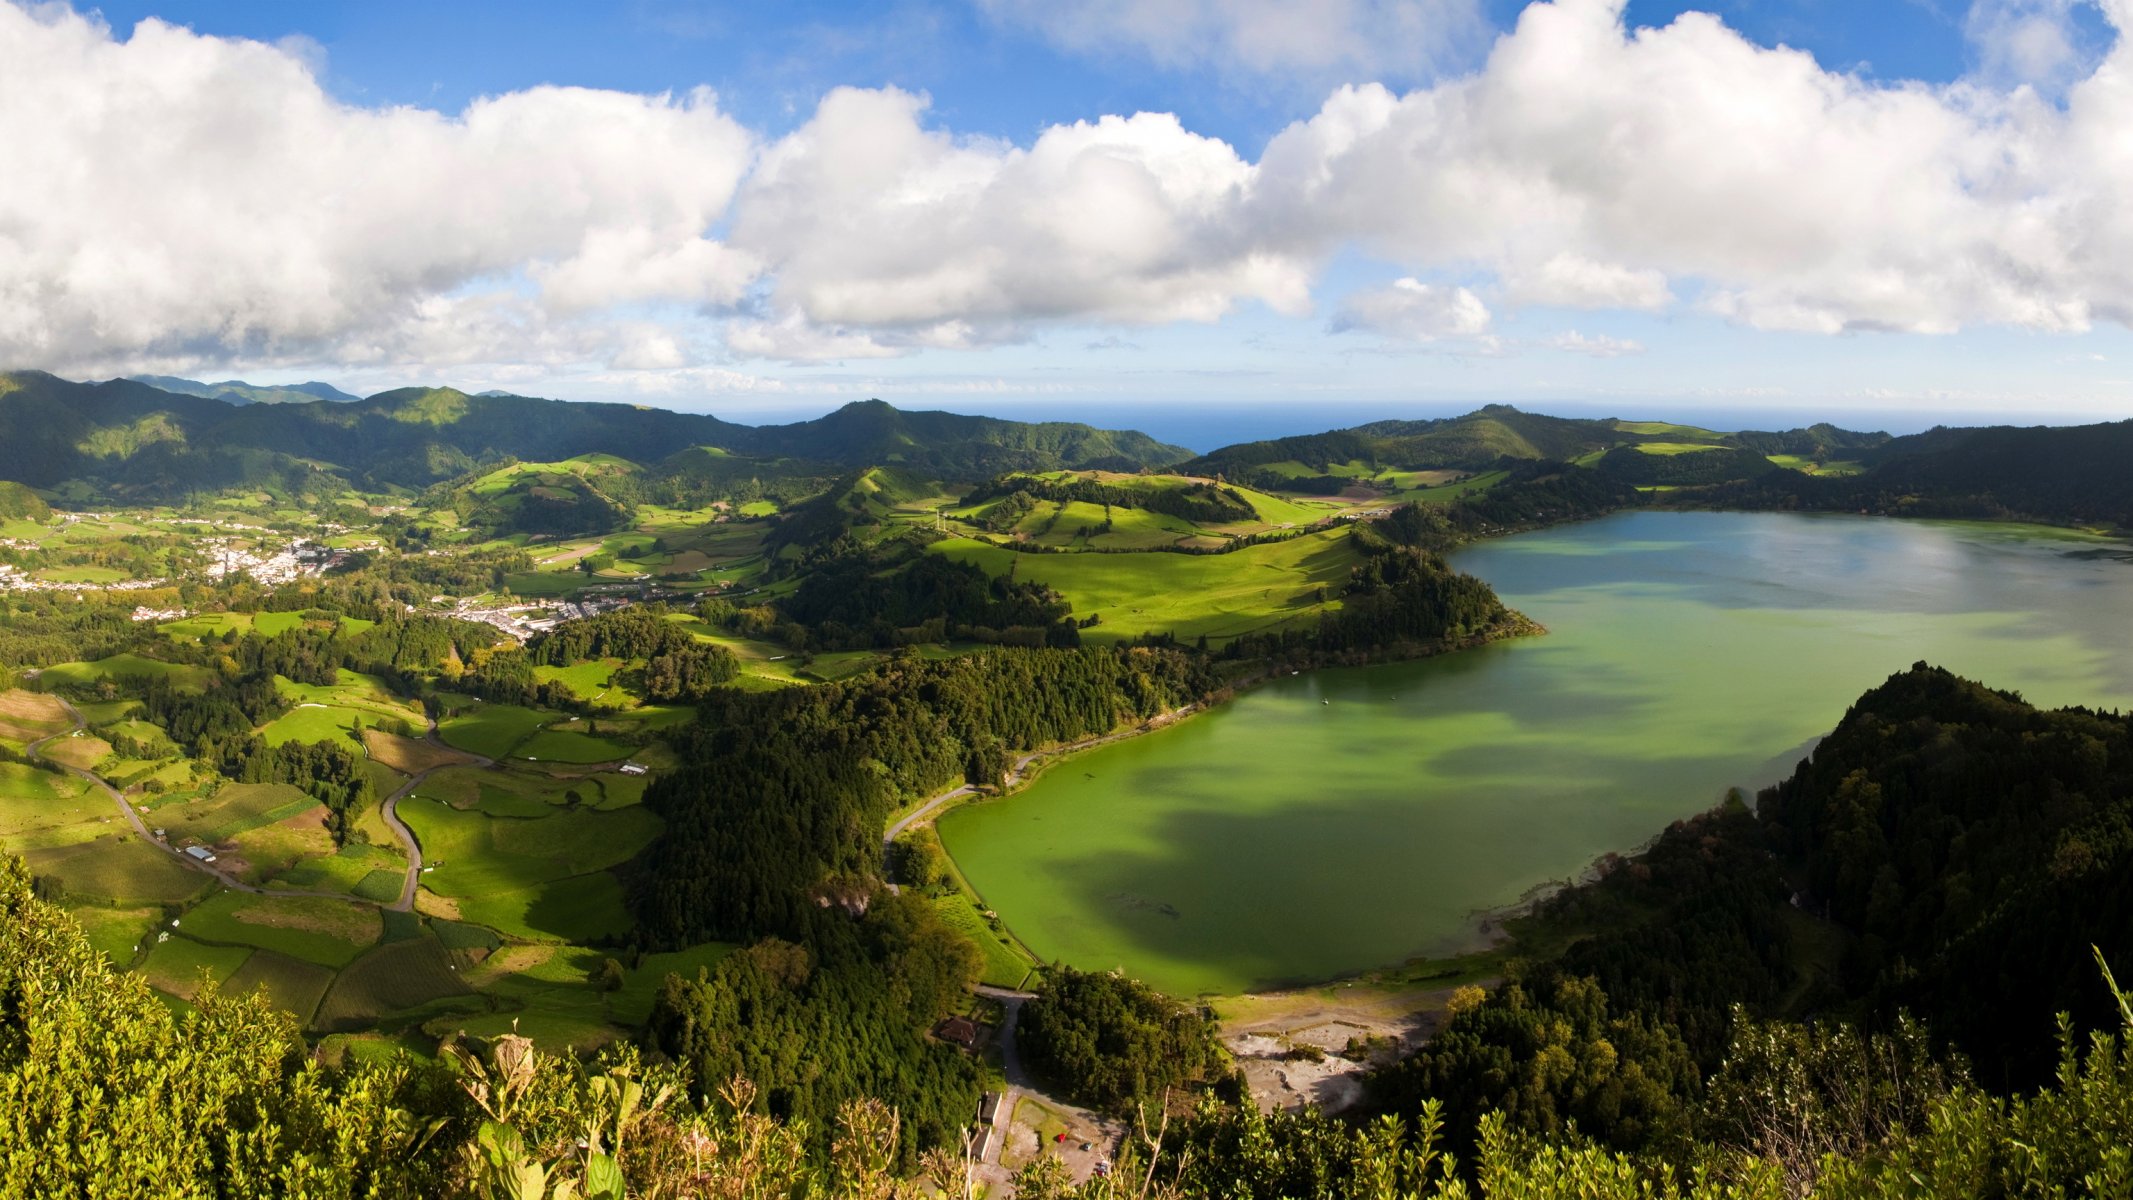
(128, 436)
(237, 391)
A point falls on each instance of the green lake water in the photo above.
(1339, 820)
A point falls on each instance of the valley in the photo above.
(577, 734)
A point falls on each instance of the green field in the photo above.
(491, 730)
(582, 908)
(592, 681)
(1004, 964)
(234, 809)
(317, 723)
(346, 870)
(331, 933)
(179, 964)
(122, 667)
(395, 977)
(477, 855)
(118, 932)
(570, 746)
(116, 868)
(1669, 449)
(1216, 595)
(291, 984)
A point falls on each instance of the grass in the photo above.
(570, 746)
(593, 680)
(582, 908)
(347, 870)
(1003, 965)
(82, 752)
(124, 667)
(117, 932)
(396, 977)
(1670, 449)
(331, 933)
(179, 965)
(235, 808)
(27, 716)
(477, 855)
(408, 756)
(491, 730)
(118, 868)
(41, 809)
(291, 984)
(316, 723)
(1218, 595)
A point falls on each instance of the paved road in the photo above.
(390, 810)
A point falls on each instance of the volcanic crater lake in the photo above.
(1341, 820)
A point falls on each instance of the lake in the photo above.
(1341, 820)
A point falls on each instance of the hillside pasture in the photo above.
(476, 854)
(1669, 449)
(399, 976)
(233, 810)
(492, 730)
(180, 966)
(1216, 595)
(115, 868)
(331, 933)
(344, 870)
(570, 743)
(28, 716)
(126, 667)
(291, 984)
(117, 931)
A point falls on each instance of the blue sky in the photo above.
(1398, 207)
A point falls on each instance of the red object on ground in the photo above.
(1058, 1137)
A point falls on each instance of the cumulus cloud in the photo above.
(872, 219)
(1414, 310)
(1777, 193)
(172, 197)
(174, 194)
(1595, 346)
(1330, 41)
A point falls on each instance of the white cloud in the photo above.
(176, 198)
(181, 195)
(1782, 195)
(873, 220)
(1328, 41)
(1416, 311)
(1596, 345)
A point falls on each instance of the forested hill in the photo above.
(1472, 442)
(1489, 437)
(159, 441)
(2081, 473)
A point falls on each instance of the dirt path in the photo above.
(390, 810)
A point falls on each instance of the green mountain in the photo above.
(2078, 474)
(1471, 442)
(128, 437)
(237, 391)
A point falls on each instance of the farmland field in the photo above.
(331, 933)
(491, 730)
(1218, 595)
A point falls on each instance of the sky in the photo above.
(1201, 217)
